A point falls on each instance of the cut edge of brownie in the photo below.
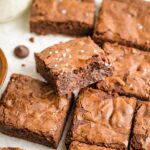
(102, 85)
(26, 134)
(95, 70)
(135, 139)
(46, 72)
(101, 40)
(135, 143)
(68, 28)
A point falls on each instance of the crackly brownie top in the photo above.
(72, 55)
(142, 125)
(132, 25)
(132, 69)
(31, 104)
(63, 11)
(81, 146)
(105, 117)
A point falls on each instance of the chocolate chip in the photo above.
(21, 51)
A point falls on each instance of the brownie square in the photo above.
(140, 139)
(131, 71)
(30, 109)
(71, 17)
(73, 65)
(81, 146)
(124, 21)
(102, 119)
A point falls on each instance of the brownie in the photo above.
(31, 110)
(131, 71)
(81, 146)
(124, 21)
(71, 17)
(73, 65)
(9, 148)
(102, 119)
(140, 139)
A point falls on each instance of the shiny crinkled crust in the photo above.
(73, 65)
(140, 138)
(82, 146)
(131, 28)
(105, 117)
(71, 55)
(30, 109)
(61, 16)
(131, 74)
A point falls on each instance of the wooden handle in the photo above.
(3, 67)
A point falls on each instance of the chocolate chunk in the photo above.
(21, 51)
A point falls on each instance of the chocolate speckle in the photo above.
(31, 39)
(23, 65)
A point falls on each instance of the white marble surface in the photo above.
(13, 34)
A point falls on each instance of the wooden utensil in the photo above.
(3, 67)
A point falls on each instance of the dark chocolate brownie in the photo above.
(81, 146)
(140, 139)
(124, 21)
(132, 71)
(30, 109)
(72, 17)
(73, 65)
(102, 119)
(9, 148)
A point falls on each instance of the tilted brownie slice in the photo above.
(73, 65)
(131, 71)
(124, 21)
(140, 139)
(72, 17)
(102, 119)
(81, 146)
(30, 109)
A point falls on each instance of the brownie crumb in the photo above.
(23, 65)
(21, 51)
(31, 39)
